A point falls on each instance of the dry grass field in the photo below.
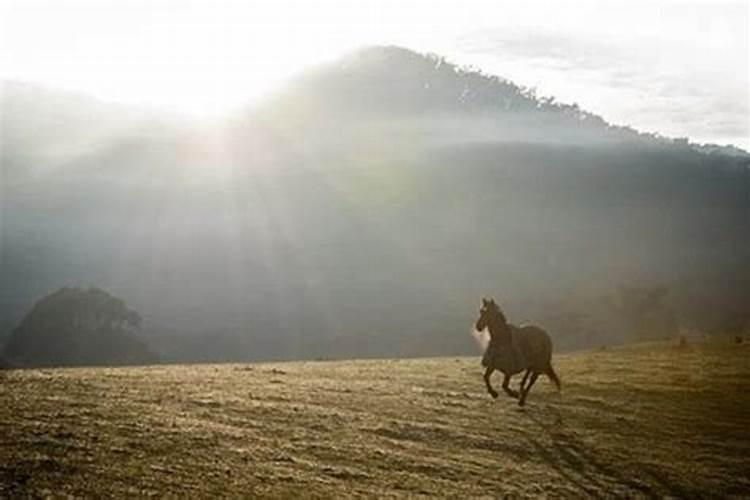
(647, 420)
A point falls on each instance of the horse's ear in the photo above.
(485, 301)
(492, 301)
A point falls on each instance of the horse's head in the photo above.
(488, 314)
(492, 318)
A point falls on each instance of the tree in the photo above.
(74, 326)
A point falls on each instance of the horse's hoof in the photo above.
(494, 395)
(521, 402)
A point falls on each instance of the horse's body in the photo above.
(530, 348)
(513, 349)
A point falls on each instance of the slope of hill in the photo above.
(44, 129)
(364, 209)
(391, 83)
(649, 420)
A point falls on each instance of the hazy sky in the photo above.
(678, 68)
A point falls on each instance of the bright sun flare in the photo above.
(690, 63)
(196, 57)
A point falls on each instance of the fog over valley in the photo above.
(362, 209)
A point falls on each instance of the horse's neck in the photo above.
(499, 332)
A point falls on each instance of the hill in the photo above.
(648, 420)
(363, 209)
(391, 83)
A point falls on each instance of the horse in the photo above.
(513, 349)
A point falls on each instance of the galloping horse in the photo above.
(513, 349)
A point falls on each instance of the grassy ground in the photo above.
(649, 420)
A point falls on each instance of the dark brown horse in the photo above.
(513, 349)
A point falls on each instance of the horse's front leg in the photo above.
(487, 374)
(510, 392)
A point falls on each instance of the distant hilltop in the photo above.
(392, 80)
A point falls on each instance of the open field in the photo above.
(647, 420)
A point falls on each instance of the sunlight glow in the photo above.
(211, 57)
(204, 57)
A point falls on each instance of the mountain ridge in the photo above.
(469, 88)
(449, 87)
(299, 231)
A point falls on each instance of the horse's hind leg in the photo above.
(525, 392)
(487, 374)
(525, 378)
(510, 392)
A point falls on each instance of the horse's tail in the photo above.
(550, 372)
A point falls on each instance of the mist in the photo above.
(362, 210)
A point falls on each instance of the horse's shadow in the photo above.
(583, 466)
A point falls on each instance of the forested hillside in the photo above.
(364, 209)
